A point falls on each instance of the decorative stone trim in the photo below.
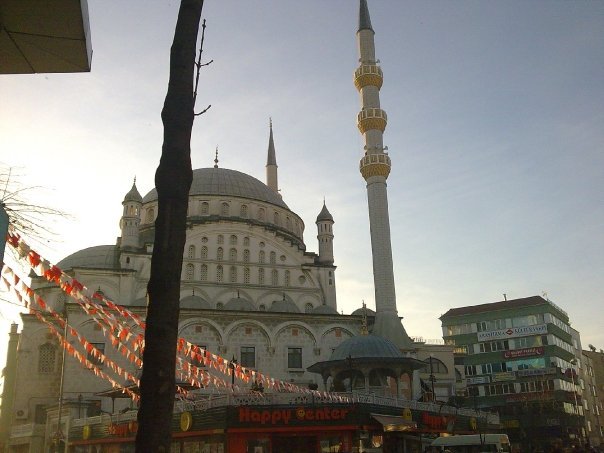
(368, 75)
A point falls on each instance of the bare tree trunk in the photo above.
(173, 181)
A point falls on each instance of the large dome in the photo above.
(222, 181)
(98, 257)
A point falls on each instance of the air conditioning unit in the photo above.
(20, 414)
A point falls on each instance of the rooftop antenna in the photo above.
(216, 158)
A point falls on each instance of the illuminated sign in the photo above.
(291, 416)
(513, 332)
(526, 352)
(504, 376)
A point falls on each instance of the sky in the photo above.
(495, 131)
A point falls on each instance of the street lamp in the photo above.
(232, 367)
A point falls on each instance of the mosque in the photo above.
(253, 294)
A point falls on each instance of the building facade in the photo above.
(593, 390)
(519, 359)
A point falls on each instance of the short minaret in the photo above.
(131, 218)
(375, 168)
(271, 162)
(325, 235)
(8, 391)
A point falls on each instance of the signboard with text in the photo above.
(513, 332)
(526, 352)
(536, 372)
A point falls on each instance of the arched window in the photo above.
(243, 211)
(233, 274)
(261, 276)
(288, 223)
(190, 270)
(287, 278)
(274, 277)
(273, 257)
(438, 367)
(220, 239)
(219, 274)
(276, 219)
(225, 209)
(261, 214)
(150, 215)
(262, 307)
(233, 254)
(246, 256)
(219, 306)
(47, 354)
(246, 241)
(205, 208)
(246, 275)
(191, 253)
(204, 252)
(219, 254)
(308, 308)
(261, 256)
(203, 275)
(233, 240)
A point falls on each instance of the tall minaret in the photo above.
(375, 168)
(271, 163)
(131, 218)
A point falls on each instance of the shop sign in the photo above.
(504, 376)
(122, 429)
(275, 417)
(536, 372)
(532, 396)
(526, 352)
(437, 421)
(513, 332)
(478, 380)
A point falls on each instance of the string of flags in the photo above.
(113, 320)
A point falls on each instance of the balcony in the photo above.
(368, 75)
(371, 118)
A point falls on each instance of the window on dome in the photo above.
(233, 240)
(246, 256)
(220, 254)
(288, 223)
(246, 275)
(219, 306)
(261, 257)
(243, 211)
(274, 277)
(204, 252)
(205, 208)
(203, 275)
(219, 274)
(246, 241)
(308, 308)
(189, 271)
(150, 215)
(287, 278)
(191, 253)
(276, 219)
(220, 239)
(225, 209)
(262, 307)
(273, 257)
(233, 274)
(46, 358)
(261, 214)
(294, 357)
(233, 255)
(261, 276)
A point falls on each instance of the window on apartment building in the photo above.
(495, 324)
(294, 357)
(499, 389)
(492, 346)
(46, 358)
(248, 357)
(470, 370)
(498, 367)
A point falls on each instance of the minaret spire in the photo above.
(271, 161)
(375, 168)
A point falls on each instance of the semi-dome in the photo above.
(225, 182)
(194, 302)
(366, 346)
(324, 310)
(240, 304)
(98, 257)
(284, 306)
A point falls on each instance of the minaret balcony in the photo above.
(369, 119)
(368, 75)
(375, 165)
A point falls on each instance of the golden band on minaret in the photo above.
(368, 75)
(375, 165)
(371, 118)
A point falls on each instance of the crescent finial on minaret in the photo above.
(216, 158)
